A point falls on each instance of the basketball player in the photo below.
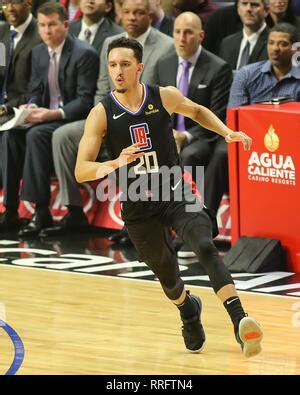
(134, 119)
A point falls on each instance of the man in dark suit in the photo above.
(64, 76)
(16, 74)
(209, 80)
(250, 44)
(95, 27)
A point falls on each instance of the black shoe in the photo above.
(125, 242)
(192, 329)
(119, 235)
(9, 221)
(38, 222)
(249, 335)
(70, 222)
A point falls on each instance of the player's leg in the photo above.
(196, 230)
(154, 246)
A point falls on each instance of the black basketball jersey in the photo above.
(151, 126)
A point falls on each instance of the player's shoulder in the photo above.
(169, 92)
(98, 110)
(170, 97)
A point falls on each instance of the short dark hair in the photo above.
(284, 27)
(130, 43)
(53, 8)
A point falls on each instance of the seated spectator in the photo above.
(258, 81)
(202, 8)
(208, 81)
(249, 45)
(63, 83)
(273, 77)
(159, 19)
(136, 21)
(282, 11)
(19, 35)
(73, 9)
(220, 24)
(95, 27)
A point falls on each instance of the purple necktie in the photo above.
(183, 86)
(52, 81)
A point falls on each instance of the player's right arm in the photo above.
(87, 169)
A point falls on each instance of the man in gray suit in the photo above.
(137, 24)
(208, 83)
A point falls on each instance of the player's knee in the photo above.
(205, 249)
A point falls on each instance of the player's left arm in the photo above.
(174, 101)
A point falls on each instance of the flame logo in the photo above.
(271, 140)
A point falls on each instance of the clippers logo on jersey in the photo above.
(139, 134)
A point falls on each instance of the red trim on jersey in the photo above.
(187, 178)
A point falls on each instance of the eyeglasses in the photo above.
(5, 3)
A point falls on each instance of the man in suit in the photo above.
(95, 27)
(250, 44)
(209, 80)
(137, 24)
(15, 73)
(63, 83)
(164, 23)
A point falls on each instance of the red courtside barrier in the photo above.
(265, 181)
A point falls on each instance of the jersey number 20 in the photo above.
(147, 164)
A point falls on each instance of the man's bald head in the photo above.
(187, 34)
(190, 19)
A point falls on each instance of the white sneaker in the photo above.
(250, 336)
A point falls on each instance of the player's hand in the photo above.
(130, 154)
(239, 137)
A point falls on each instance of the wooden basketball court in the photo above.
(73, 323)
